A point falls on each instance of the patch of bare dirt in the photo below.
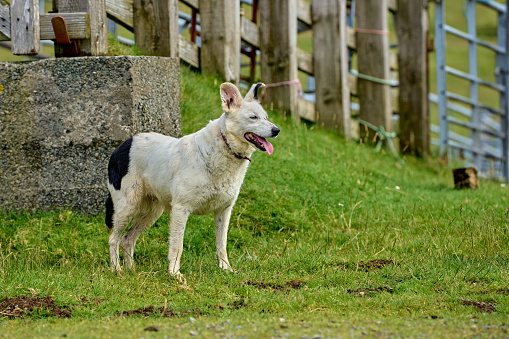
(19, 307)
(369, 292)
(481, 306)
(237, 304)
(96, 302)
(367, 266)
(502, 291)
(163, 311)
(293, 284)
(152, 329)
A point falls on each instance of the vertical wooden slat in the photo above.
(331, 64)
(372, 43)
(278, 47)
(98, 42)
(25, 27)
(5, 22)
(502, 62)
(220, 38)
(412, 27)
(155, 25)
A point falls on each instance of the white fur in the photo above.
(196, 174)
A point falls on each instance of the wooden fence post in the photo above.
(412, 27)
(98, 42)
(25, 31)
(220, 38)
(372, 42)
(278, 47)
(155, 24)
(331, 64)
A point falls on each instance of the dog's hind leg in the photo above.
(121, 218)
(179, 216)
(148, 214)
(222, 219)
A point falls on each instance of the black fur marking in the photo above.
(109, 212)
(256, 89)
(118, 165)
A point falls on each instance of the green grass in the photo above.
(314, 211)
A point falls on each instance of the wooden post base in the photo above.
(466, 177)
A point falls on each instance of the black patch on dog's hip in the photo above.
(109, 212)
(118, 165)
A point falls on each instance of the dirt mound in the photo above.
(480, 305)
(163, 311)
(24, 306)
(369, 292)
(293, 284)
(237, 304)
(371, 265)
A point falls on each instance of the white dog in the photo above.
(199, 173)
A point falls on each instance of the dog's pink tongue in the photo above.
(266, 144)
(268, 147)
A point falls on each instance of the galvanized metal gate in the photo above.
(468, 128)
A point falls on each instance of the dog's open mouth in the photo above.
(261, 143)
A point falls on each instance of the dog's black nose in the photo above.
(275, 131)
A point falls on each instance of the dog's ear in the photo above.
(230, 97)
(253, 92)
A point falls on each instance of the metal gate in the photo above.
(468, 128)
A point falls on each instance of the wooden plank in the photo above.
(307, 110)
(97, 44)
(278, 47)
(304, 12)
(250, 33)
(194, 4)
(220, 38)
(121, 11)
(305, 62)
(351, 40)
(393, 60)
(25, 34)
(413, 79)
(189, 52)
(155, 25)
(373, 60)
(78, 25)
(331, 65)
(395, 100)
(5, 22)
(392, 5)
(352, 84)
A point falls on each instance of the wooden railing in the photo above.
(222, 27)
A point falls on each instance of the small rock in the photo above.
(193, 333)
(193, 320)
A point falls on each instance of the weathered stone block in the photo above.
(60, 119)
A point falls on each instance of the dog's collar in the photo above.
(238, 156)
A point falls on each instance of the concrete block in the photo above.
(60, 119)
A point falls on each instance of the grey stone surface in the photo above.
(60, 119)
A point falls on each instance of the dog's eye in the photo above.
(253, 117)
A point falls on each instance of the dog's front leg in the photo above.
(178, 221)
(222, 219)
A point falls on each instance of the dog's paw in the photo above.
(179, 277)
(229, 269)
(116, 269)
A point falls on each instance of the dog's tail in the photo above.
(109, 212)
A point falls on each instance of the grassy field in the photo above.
(329, 239)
